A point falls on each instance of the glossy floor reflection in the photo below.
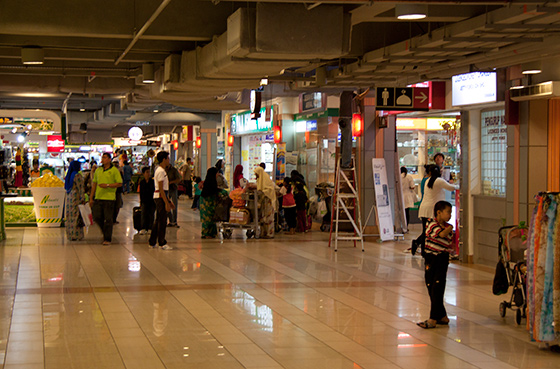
(290, 302)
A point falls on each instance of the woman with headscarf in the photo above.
(75, 195)
(207, 203)
(268, 202)
(238, 180)
(220, 179)
(238, 187)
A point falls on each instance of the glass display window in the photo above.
(493, 152)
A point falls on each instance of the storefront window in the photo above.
(493, 152)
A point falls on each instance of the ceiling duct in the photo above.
(251, 49)
(533, 92)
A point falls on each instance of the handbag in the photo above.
(500, 285)
(85, 215)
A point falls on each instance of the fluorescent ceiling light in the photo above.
(32, 55)
(411, 11)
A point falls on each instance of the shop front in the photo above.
(256, 141)
(315, 141)
(484, 166)
(420, 139)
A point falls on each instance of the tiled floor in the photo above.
(290, 302)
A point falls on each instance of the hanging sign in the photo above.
(135, 133)
(55, 143)
(383, 200)
(402, 98)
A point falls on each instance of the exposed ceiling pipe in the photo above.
(65, 103)
(144, 28)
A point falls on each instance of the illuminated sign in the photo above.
(474, 88)
(243, 124)
(135, 133)
(436, 124)
(55, 143)
(411, 123)
(311, 125)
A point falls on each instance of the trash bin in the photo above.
(49, 205)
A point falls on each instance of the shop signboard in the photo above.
(55, 143)
(311, 101)
(474, 88)
(437, 124)
(411, 123)
(243, 124)
(4, 120)
(383, 200)
(311, 125)
(402, 98)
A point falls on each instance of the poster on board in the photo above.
(383, 200)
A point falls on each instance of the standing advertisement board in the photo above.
(383, 200)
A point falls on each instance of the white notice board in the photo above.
(383, 200)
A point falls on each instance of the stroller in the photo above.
(511, 249)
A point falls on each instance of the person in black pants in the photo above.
(439, 241)
(163, 204)
(146, 188)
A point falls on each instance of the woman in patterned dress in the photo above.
(268, 202)
(75, 195)
(207, 203)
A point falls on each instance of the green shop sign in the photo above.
(330, 112)
(243, 124)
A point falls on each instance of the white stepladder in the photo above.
(346, 207)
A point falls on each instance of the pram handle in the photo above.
(501, 238)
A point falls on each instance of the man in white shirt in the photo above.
(163, 205)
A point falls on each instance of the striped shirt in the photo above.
(434, 243)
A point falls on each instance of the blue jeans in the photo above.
(345, 124)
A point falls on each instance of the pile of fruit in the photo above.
(48, 180)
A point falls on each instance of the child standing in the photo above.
(197, 191)
(289, 206)
(301, 207)
(439, 241)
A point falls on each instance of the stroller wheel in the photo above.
(503, 309)
(518, 315)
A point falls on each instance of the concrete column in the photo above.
(209, 149)
(366, 145)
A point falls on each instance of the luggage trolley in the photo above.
(253, 226)
(511, 247)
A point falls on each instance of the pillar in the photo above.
(209, 149)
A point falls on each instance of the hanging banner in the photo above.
(383, 200)
(280, 161)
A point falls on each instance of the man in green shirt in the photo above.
(104, 186)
